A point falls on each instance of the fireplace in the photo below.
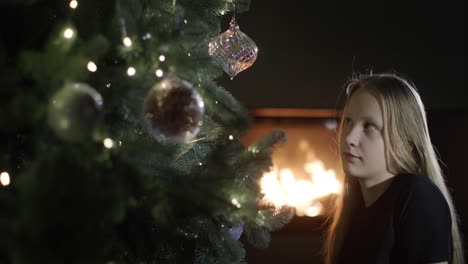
(306, 166)
(304, 177)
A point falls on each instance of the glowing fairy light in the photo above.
(108, 143)
(131, 71)
(5, 178)
(73, 4)
(185, 21)
(162, 58)
(127, 41)
(159, 73)
(146, 36)
(254, 149)
(236, 203)
(92, 66)
(68, 33)
(231, 137)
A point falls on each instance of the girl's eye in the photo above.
(370, 126)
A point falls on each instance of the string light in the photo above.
(162, 58)
(185, 21)
(92, 66)
(188, 54)
(108, 143)
(68, 33)
(73, 4)
(159, 73)
(254, 149)
(231, 137)
(5, 178)
(127, 41)
(236, 203)
(131, 71)
(146, 36)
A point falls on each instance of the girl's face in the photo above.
(361, 143)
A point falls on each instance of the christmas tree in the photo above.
(118, 145)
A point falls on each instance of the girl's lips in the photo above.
(350, 156)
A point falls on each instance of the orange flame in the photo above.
(281, 187)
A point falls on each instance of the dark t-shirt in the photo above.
(409, 223)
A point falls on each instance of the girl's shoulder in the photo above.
(415, 182)
(418, 192)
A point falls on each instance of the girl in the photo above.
(395, 206)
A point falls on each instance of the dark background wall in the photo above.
(308, 49)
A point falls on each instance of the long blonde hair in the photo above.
(405, 125)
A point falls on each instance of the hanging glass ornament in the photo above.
(173, 111)
(233, 50)
(74, 111)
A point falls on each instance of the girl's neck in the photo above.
(370, 194)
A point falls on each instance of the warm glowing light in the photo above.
(68, 33)
(127, 41)
(231, 137)
(236, 203)
(162, 58)
(188, 54)
(185, 21)
(108, 143)
(73, 4)
(92, 66)
(254, 149)
(326, 179)
(159, 73)
(313, 210)
(331, 124)
(281, 187)
(146, 36)
(200, 164)
(131, 71)
(5, 178)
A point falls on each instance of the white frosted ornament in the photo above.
(233, 50)
(173, 111)
(74, 111)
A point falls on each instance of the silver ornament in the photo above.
(74, 111)
(233, 50)
(173, 111)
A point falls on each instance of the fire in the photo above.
(281, 187)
